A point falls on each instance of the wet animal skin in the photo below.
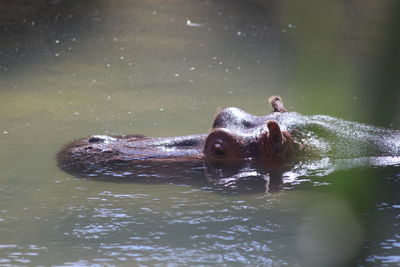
(277, 137)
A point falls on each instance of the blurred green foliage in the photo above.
(344, 53)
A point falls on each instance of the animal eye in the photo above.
(222, 144)
(218, 149)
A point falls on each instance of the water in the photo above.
(71, 69)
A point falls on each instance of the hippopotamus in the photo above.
(235, 136)
(275, 143)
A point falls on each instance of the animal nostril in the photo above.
(101, 139)
(96, 139)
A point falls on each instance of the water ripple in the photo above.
(15, 255)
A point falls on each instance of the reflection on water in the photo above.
(69, 69)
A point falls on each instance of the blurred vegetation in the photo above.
(349, 48)
(384, 75)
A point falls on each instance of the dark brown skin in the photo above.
(271, 144)
(240, 148)
(235, 136)
(276, 144)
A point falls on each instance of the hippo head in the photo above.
(237, 135)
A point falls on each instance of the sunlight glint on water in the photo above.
(69, 69)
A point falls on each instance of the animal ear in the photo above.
(276, 144)
(275, 135)
(277, 104)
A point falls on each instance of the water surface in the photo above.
(69, 69)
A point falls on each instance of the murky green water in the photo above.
(164, 68)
